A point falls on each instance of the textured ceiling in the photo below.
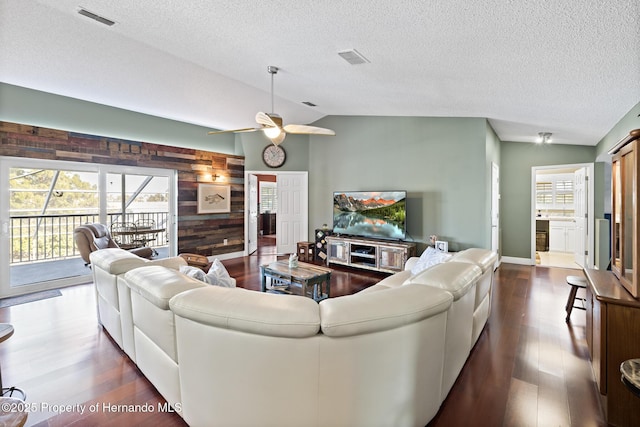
(567, 67)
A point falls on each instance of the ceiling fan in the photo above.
(271, 123)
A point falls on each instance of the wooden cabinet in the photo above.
(596, 340)
(613, 336)
(625, 229)
(337, 251)
(613, 308)
(379, 255)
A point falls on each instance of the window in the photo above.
(555, 192)
(564, 192)
(268, 197)
(544, 193)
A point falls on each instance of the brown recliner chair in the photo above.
(91, 237)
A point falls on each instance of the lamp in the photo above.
(544, 138)
(275, 134)
(208, 177)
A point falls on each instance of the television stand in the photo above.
(379, 255)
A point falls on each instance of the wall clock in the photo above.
(274, 156)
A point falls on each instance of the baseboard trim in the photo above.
(514, 260)
(229, 255)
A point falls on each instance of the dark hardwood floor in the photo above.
(529, 368)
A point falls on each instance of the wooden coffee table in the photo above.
(313, 280)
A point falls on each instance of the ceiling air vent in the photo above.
(353, 57)
(100, 19)
(310, 104)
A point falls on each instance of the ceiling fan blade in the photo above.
(264, 120)
(215, 132)
(308, 130)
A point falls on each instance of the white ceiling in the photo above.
(567, 67)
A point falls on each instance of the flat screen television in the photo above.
(375, 214)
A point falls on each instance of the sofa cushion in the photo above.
(194, 273)
(483, 258)
(115, 260)
(375, 288)
(455, 277)
(369, 312)
(429, 258)
(393, 281)
(249, 311)
(174, 262)
(218, 275)
(159, 284)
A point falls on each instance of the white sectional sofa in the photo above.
(486, 260)
(387, 355)
(358, 360)
(114, 296)
(153, 326)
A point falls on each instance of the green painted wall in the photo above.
(27, 106)
(517, 159)
(252, 144)
(441, 162)
(601, 189)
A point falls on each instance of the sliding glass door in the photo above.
(138, 210)
(42, 202)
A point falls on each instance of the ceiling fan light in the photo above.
(272, 132)
(278, 139)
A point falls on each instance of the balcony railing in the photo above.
(50, 237)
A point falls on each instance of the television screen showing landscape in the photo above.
(370, 214)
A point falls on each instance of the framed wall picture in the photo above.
(214, 198)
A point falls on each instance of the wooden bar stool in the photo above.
(6, 331)
(12, 412)
(575, 282)
(305, 251)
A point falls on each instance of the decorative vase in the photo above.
(293, 261)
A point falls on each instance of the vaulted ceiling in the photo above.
(567, 67)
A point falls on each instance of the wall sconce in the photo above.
(544, 138)
(207, 177)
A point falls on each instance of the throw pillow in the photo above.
(429, 258)
(193, 272)
(219, 276)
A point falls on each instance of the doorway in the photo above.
(277, 209)
(495, 210)
(562, 230)
(267, 212)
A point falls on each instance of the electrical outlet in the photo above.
(225, 242)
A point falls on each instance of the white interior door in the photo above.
(580, 199)
(253, 213)
(292, 218)
(495, 207)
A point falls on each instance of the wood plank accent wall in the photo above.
(201, 234)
